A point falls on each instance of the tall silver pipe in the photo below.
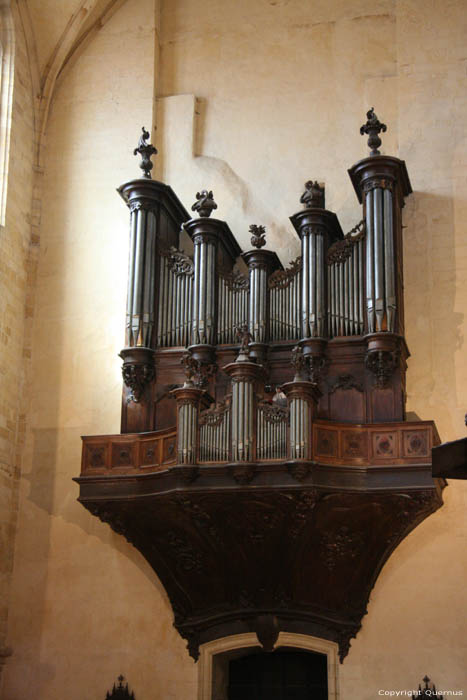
(389, 262)
(131, 277)
(370, 266)
(138, 276)
(160, 305)
(356, 282)
(341, 298)
(346, 296)
(202, 294)
(196, 285)
(305, 287)
(361, 312)
(320, 294)
(379, 256)
(312, 285)
(149, 299)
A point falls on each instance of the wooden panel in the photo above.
(128, 453)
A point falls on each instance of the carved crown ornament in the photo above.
(263, 431)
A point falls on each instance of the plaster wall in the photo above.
(253, 99)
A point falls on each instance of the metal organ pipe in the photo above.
(370, 268)
(380, 263)
(389, 262)
(379, 254)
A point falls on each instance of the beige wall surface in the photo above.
(15, 273)
(253, 99)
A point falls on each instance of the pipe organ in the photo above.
(263, 412)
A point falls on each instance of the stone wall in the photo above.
(253, 99)
(16, 278)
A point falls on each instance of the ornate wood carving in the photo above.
(146, 150)
(137, 371)
(204, 204)
(258, 237)
(305, 555)
(281, 279)
(373, 128)
(340, 251)
(345, 382)
(382, 364)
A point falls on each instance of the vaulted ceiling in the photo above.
(54, 30)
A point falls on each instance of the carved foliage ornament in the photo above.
(345, 382)
(274, 413)
(345, 544)
(214, 415)
(280, 279)
(120, 691)
(197, 372)
(299, 363)
(236, 282)
(341, 250)
(136, 377)
(179, 263)
(258, 239)
(372, 183)
(205, 203)
(146, 150)
(318, 365)
(382, 363)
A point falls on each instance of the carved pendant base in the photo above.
(138, 370)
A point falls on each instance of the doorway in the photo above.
(285, 674)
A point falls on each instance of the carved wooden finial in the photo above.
(373, 127)
(258, 238)
(313, 195)
(205, 203)
(146, 150)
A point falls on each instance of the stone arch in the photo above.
(239, 644)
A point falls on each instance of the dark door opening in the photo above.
(286, 674)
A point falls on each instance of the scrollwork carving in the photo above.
(372, 183)
(382, 364)
(341, 250)
(214, 415)
(179, 263)
(280, 279)
(236, 282)
(344, 544)
(197, 372)
(274, 413)
(346, 382)
(136, 377)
